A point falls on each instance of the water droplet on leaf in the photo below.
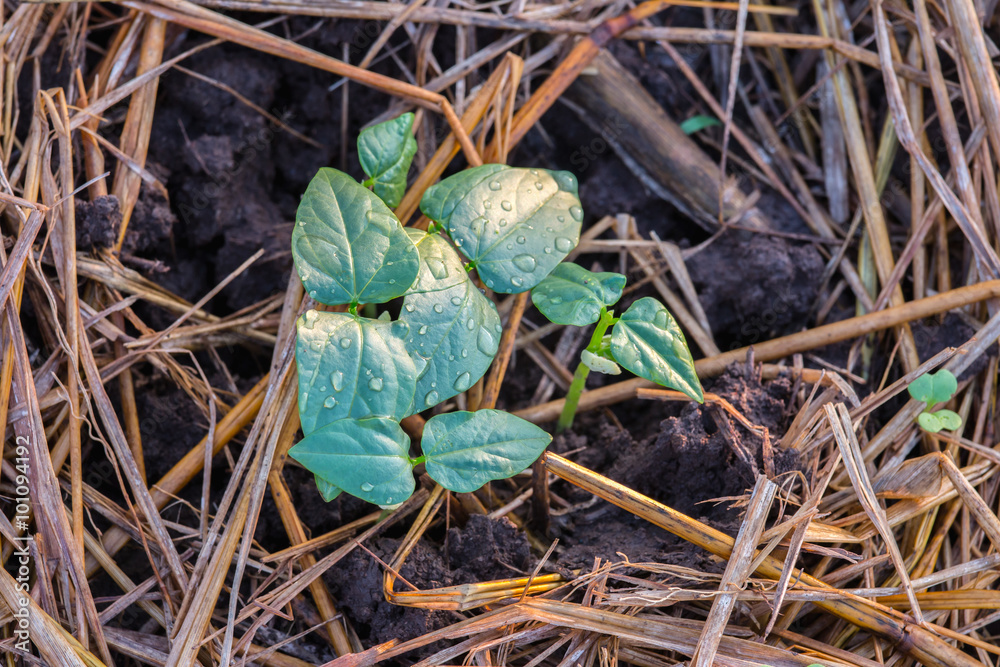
(345, 342)
(310, 319)
(486, 343)
(431, 398)
(337, 378)
(494, 185)
(576, 212)
(525, 262)
(521, 240)
(437, 268)
(456, 300)
(438, 308)
(329, 402)
(563, 244)
(367, 486)
(375, 384)
(506, 205)
(463, 382)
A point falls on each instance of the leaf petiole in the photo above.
(606, 320)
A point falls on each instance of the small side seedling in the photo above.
(645, 339)
(359, 376)
(934, 388)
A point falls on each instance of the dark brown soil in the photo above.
(97, 222)
(482, 550)
(768, 288)
(686, 466)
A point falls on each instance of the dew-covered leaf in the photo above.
(934, 388)
(385, 152)
(348, 246)
(326, 489)
(515, 224)
(648, 342)
(465, 450)
(367, 458)
(454, 328)
(352, 366)
(573, 295)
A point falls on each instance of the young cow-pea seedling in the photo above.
(359, 377)
(934, 388)
(645, 339)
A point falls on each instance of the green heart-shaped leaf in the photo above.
(934, 388)
(352, 366)
(573, 295)
(368, 458)
(326, 489)
(648, 342)
(385, 152)
(948, 419)
(929, 422)
(452, 325)
(464, 450)
(514, 224)
(348, 246)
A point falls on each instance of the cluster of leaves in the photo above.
(934, 388)
(360, 377)
(646, 339)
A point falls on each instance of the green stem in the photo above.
(580, 375)
(573, 397)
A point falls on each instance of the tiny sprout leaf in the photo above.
(326, 489)
(648, 342)
(573, 295)
(352, 366)
(934, 388)
(348, 246)
(698, 123)
(465, 450)
(368, 458)
(948, 419)
(929, 422)
(385, 152)
(598, 363)
(515, 224)
(454, 329)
